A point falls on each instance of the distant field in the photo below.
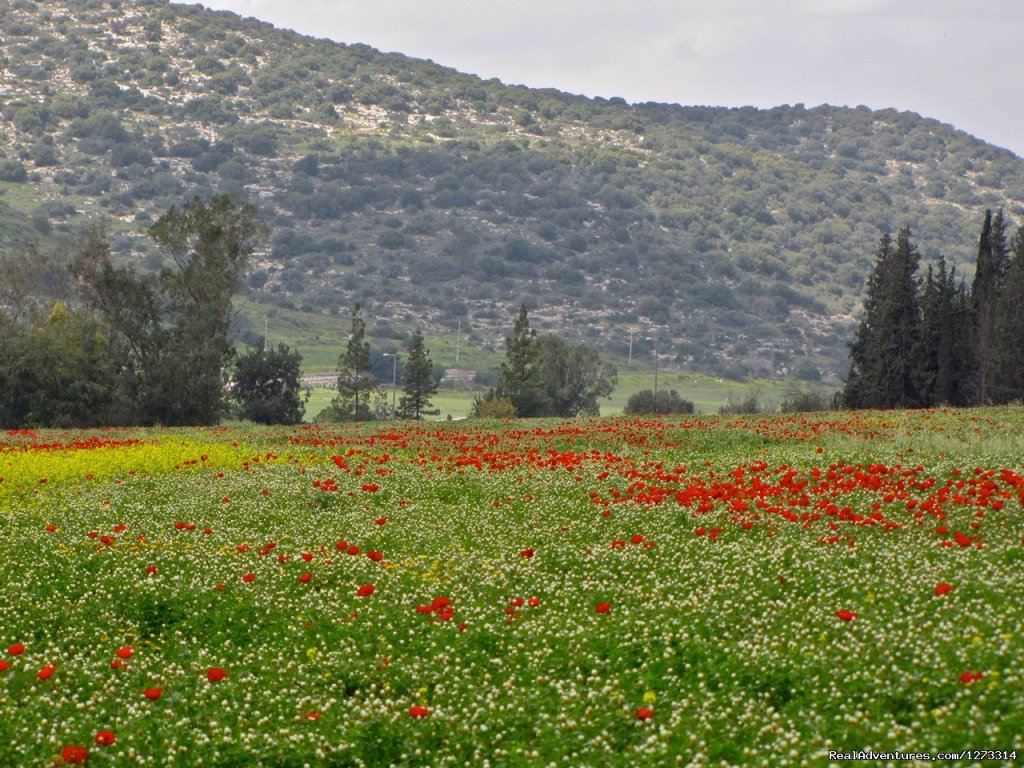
(706, 393)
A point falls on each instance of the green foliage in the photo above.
(493, 406)
(266, 386)
(644, 403)
(521, 381)
(805, 401)
(356, 383)
(574, 376)
(418, 382)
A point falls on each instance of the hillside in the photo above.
(739, 238)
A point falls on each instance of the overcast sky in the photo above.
(958, 61)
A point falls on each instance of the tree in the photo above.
(211, 246)
(990, 267)
(417, 381)
(644, 402)
(574, 377)
(883, 367)
(520, 380)
(944, 341)
(355, 381)
(1006, 383)
(267, 386)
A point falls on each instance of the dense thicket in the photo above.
(933, 342)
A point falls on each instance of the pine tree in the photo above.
(417, 381)
(944, 342)
(1006, 353)
(521, 381)
(355, 381)
(883, 365)
(990, 268)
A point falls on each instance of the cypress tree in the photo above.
(883, 356)
(943, 343)
(355, 381)
(1006, 353)
(990, 267)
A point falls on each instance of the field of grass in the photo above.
(709, 590)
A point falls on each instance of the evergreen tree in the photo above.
(355, 381)
(267, 386)
(1006, 382)
(944, 342)
(883, 366)
(417, 382)
(521, 381)
(990, 267)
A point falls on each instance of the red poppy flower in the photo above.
(153, 693)
(125, 653)
(105, 738)
(353, 550)
(249, 578)
(46, 672)
(421, 608)
(643, 713)
(312, 715)
(219, 587)
(341, 546)
(151, 569)
(207, 531)
(119, 528)
(381, 520)
(375, 555)
(73, 755)
(636, 538)
(4, 665)
(969, 677)
(445, 613)
(618, 544)
(366, 590)
(215, 674)
(17, 649)
(242, 548)
(117, 664)
(846, 615)
(528, 552)
(962, 539)
(307, 556)
(533, 602)
(51, 528)
(305, 578)
(603, 607)
(516, 602)
(371, 487)
(418, 711)
(943, 589)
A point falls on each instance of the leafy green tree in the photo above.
(267, 386)
(1006, 383)
(574, 377)
(356, 383)
(491, 406)
(644, 402)
(58, 374)
(417, 381)
(211, 246)
(883, 366)
(521, 379)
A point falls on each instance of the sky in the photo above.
(958, 61)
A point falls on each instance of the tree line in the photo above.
(932, 341)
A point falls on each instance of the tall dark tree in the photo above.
(1006, 352)
(356, 383)
(944, 351)
(417, 381)
(267, 386)
(521, 380)
(882, 356)
(990, 267)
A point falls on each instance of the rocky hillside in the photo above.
(738, 237)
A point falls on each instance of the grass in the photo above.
(772, 588)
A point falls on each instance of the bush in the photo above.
(749, 404)
(804, 402)
(644, 403)
(493, 407)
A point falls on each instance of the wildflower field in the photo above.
(708, 591)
